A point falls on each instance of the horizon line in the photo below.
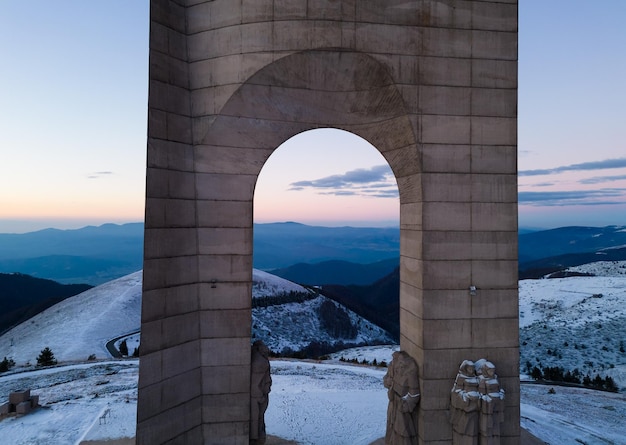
(36, 225)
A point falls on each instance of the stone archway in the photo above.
(432, 87)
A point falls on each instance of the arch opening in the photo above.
(326, 209)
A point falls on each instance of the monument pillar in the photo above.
(431, 84)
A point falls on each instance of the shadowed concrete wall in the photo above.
(431, 84)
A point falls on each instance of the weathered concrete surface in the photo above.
(431, 84)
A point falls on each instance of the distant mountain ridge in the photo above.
(107, 240)
(92, 255)
(337, 272)
(280, 245)
(544, 252)
(566, 240)
(95, 255)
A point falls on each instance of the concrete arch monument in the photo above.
(431, 84)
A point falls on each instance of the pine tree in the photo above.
(6, 364)
(609, 384)
(536, 373)
(46, 358)
(124, 348)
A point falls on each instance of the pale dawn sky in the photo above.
(73, 108)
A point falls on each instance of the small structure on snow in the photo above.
(20, 402)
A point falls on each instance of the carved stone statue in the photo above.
(465, 405)
(402, 383)
(491, 404)
(260, 386)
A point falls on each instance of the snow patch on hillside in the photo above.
(266, 285)
(602, 268)
(78, 326)
(576, 322)
(296, 325)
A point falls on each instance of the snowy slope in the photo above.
(265, 284)
(576, 322)
(81, 325)
(78, 326)
(295, 325)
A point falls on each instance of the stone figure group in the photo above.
(476, 404)
(401, 381)
(476, 400)
(260, 386)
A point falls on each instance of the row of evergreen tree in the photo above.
(558, 374)
(46, 357)
(283, 298)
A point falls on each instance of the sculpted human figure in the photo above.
(492, 403)
(260, 385)
(402, 383)
(465, 406)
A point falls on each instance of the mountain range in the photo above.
(306, 254)
(95, 255)
(546, 251)
(91, 255)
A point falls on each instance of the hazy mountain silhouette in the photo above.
(96, 255)
(565, 240)
(547, 251)
(337, 272)
(280, 245)
(91, 255)
(378, 302)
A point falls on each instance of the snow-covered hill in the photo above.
(576, 322)
(293, 326)
(80, 326)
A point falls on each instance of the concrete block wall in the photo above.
(431, 84)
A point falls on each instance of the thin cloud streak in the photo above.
(98, 175)
(609, 196)
(349, 179)
(585, 166)
(376, 182)
(601, 179)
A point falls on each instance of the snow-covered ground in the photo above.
(576, 322)
(311, 403)
(581, 321)
(573, 415)
(73, 399)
